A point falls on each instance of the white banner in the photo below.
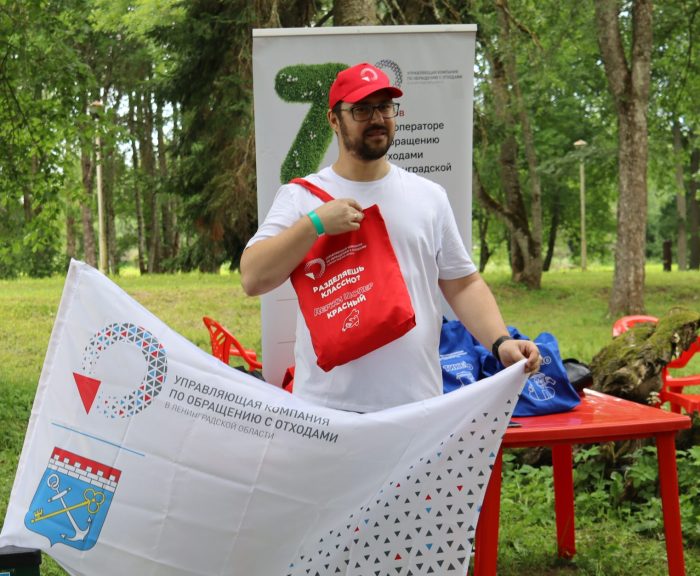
(146, 455)
(293, 69)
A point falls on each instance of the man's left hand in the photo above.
(511, 351)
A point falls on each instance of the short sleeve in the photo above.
(452, 258)
(284, 212)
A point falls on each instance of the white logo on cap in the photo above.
(368, 74)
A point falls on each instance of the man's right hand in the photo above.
(340, 216)
(268, 263)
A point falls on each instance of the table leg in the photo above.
(562, 464)
(486, 549)
(668, 479)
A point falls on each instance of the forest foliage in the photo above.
(149, 103)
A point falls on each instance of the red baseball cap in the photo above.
(359, 81)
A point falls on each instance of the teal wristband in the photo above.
(316, 221)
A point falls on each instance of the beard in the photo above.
(365, 147)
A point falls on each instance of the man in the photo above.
(424, 235)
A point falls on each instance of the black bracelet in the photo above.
(497, 344)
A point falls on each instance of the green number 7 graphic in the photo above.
(307, 83)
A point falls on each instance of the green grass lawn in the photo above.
(572, 305)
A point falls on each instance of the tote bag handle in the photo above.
(315, 190)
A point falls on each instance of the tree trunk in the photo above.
(169, 246)
(175, 202)
(628, 287)
(168, 215)
(484, 250)
(681, 206)
(138, 203)
(531, 247)
(291, 13)
(415, 12)
(355, 13)
(108, 178)
(28, 189)
(553, 229)
(525, 257)
(483, 224)
(138, 199)
(27, 199)
(71, 242)
(694, 211)
(149, 171)
(89, 248)
(629, 86)
(508, 164)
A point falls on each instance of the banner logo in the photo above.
(72, 500)
(392, 70)
(108, 396)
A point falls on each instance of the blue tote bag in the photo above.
(464, 361)
(459, 357)
(548, 391)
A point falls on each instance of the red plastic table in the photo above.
(599, 418)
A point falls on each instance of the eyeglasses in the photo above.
(364, 112)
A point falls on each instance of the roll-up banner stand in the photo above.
(292, 72)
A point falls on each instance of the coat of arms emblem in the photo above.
(72, 500)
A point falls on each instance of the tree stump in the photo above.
(630, 366)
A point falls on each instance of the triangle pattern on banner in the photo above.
(421, 522)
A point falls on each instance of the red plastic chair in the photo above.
(224, 345)
(671, 386)
(626, 322)
(288, 380)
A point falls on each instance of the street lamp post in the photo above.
(95, 108)
(582, 185)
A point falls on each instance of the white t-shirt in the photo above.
(424, 235)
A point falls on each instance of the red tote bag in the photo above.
(351, 291)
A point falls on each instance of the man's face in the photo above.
(371, 139)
